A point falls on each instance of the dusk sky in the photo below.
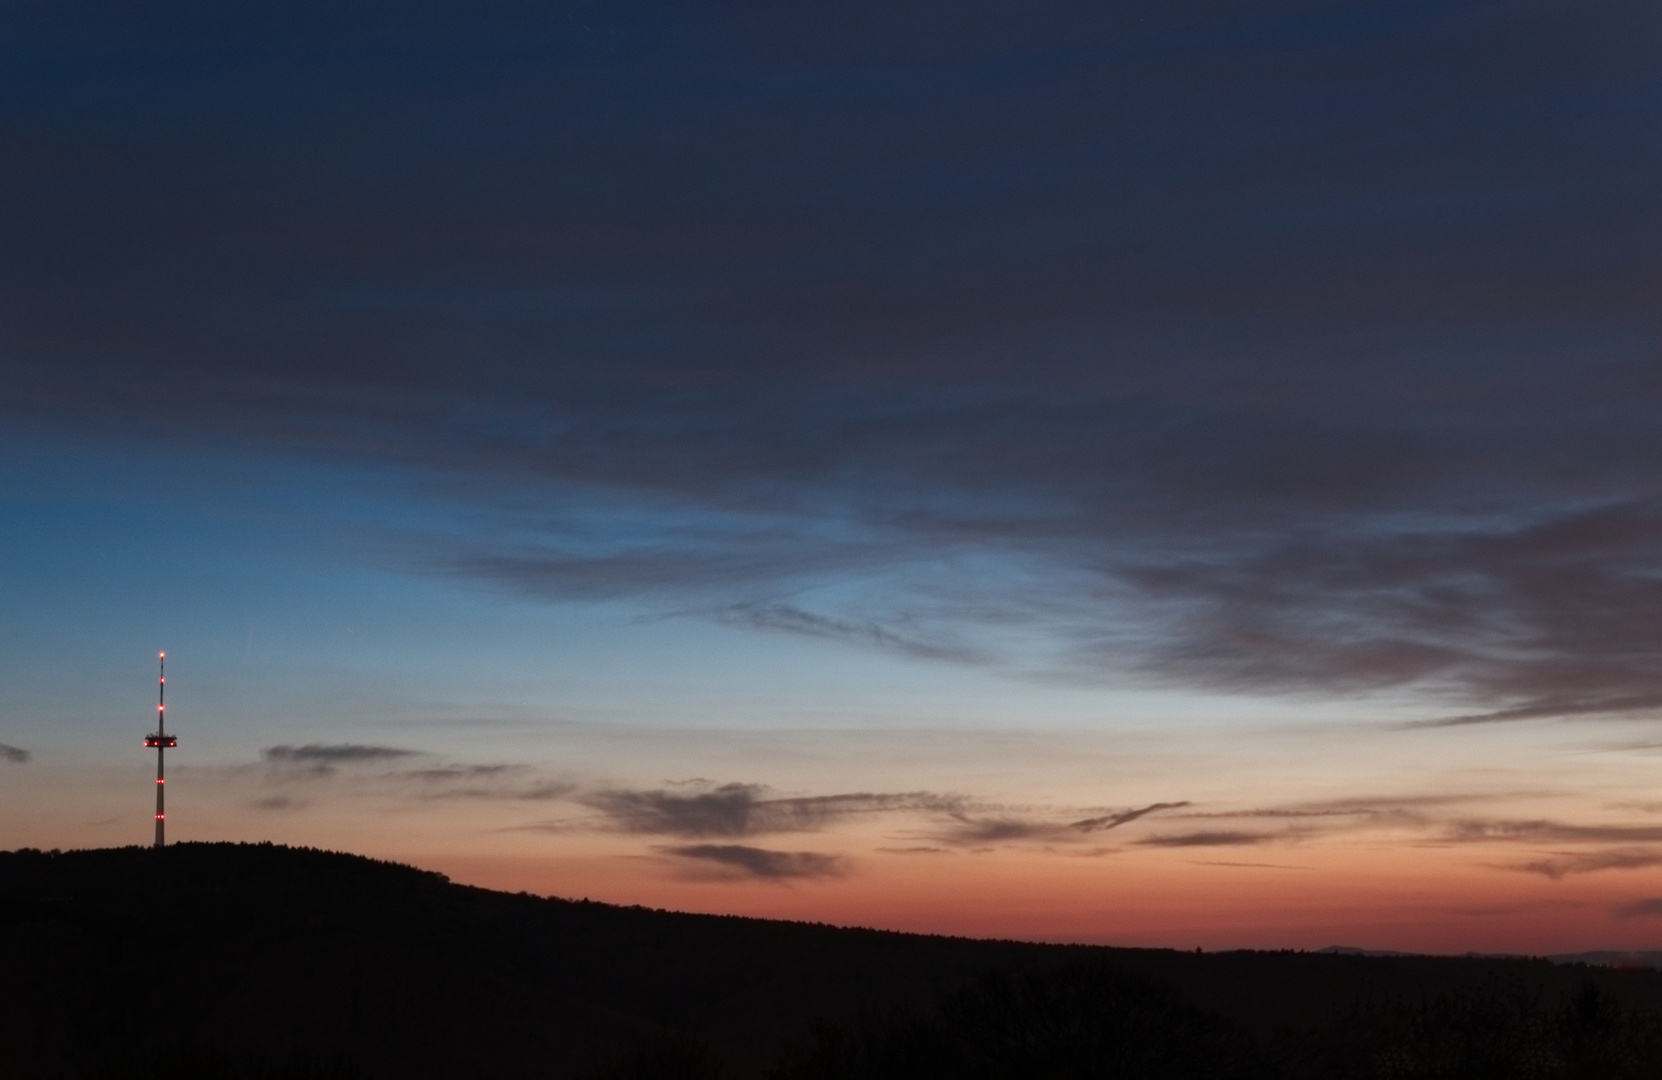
(1141, 473)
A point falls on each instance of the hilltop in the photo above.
(254, 959)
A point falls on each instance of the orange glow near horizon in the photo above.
(1266, 839)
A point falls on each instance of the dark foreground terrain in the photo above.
(255, 961)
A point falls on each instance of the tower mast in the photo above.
(161, 740)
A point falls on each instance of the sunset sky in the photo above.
(1143, 473)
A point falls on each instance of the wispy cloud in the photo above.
(295, 776)
(1605, 845)
(323, 759)
(1563, 865)
(751, 862)
(887, 634)
(1648, 908)
(1213, 839)
(445, 774)
(1548, 831)
(14, 755)
(972, 824)
(965, 829)
(279, 802)
(739, 810)
(1114, 821)
(1414, 807)
(703, 809)
(1556, 708)
(484, 781)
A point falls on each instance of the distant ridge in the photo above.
(1650, 960)
(1597, 958)
(1351, 950)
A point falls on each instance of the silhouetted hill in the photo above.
(242, 960)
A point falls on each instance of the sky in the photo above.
(1181, 474)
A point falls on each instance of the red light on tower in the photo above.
(161, 740)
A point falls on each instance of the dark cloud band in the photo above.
(738, 810)
(1223, 347)
(759, 863)
(334, 754)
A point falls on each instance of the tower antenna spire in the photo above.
(161, 740)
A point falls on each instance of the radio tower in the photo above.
(161, 740)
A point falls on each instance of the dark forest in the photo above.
(273, 963)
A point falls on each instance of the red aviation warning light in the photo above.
(161, 740)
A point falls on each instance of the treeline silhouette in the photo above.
(261, 962)
(1093, 1020)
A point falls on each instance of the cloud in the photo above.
(280, 802)
(965, 826)
(451, 773)
(1114, 821)
(1554, 708)
(484, 781)
(316, 761)
(703, 809)
(333, 754)
(738, 810)
(1613, 846)
(1121, 367)
(792, 619)
(740, 860)
(1587, 863)
(376, 769)
(1212, 839)
(1388, 805)
(547, 789)
(14, 755)
(968, 830)
(1648, 908)
(1547, 831)
(1419, 811)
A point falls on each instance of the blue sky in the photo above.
(923, 409)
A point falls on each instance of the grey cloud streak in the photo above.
(1560, 866)
(1114, 821)
(721, 814)
(706, 810)
(976, 831)
(325, 759)
(792, 619)
(971, 825)
(334, 754)
(1550, 832)
(1607, 846)
(14, 755)
(759, 863)
(316, 767)
(738, 810)
(1648, 908)
(1214, 838)
(498, 781)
